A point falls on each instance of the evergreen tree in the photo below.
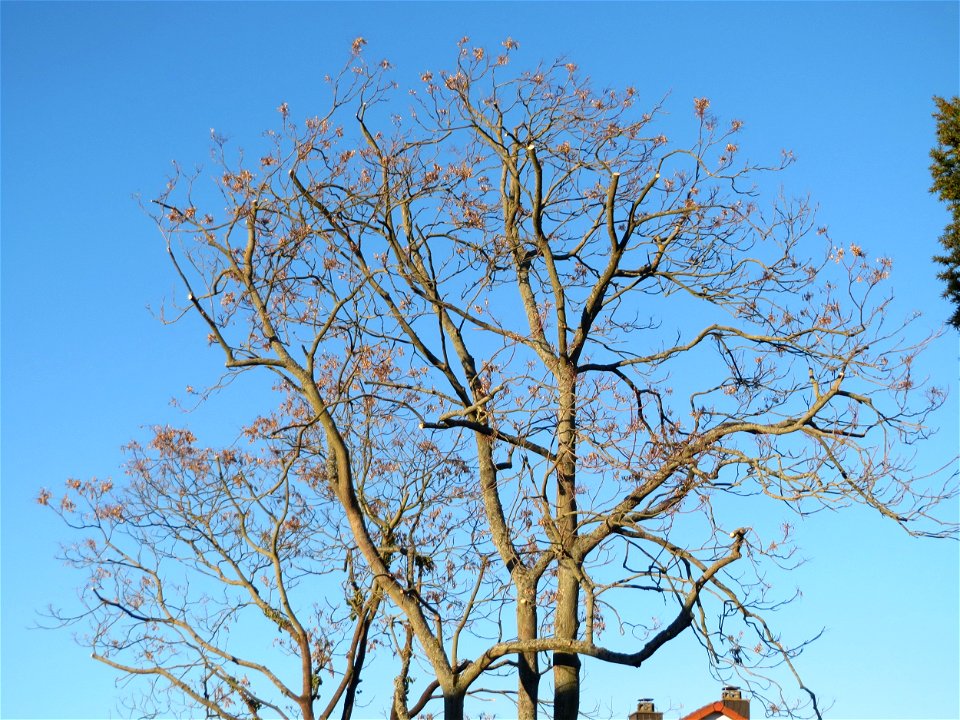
(946, 183)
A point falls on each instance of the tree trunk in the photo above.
(453, 706)
(525, 584)
(528, 686)
(566, 666)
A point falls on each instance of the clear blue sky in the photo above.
(97, 99)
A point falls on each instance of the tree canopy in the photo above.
(550, 385)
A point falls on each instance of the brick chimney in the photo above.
(646, 711)
(732, 698)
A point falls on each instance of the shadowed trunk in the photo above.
(453, 706)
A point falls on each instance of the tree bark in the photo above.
(528, 667)
(453, 706)
(566, 666)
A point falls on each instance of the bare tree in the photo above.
(203, 579)
(622, 340)
(194, 561)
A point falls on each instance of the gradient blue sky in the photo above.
(97, 99)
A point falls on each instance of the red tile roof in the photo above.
(715, 707)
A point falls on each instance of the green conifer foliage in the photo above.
(946, 183)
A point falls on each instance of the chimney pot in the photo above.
(646, 711)
(733, 699)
